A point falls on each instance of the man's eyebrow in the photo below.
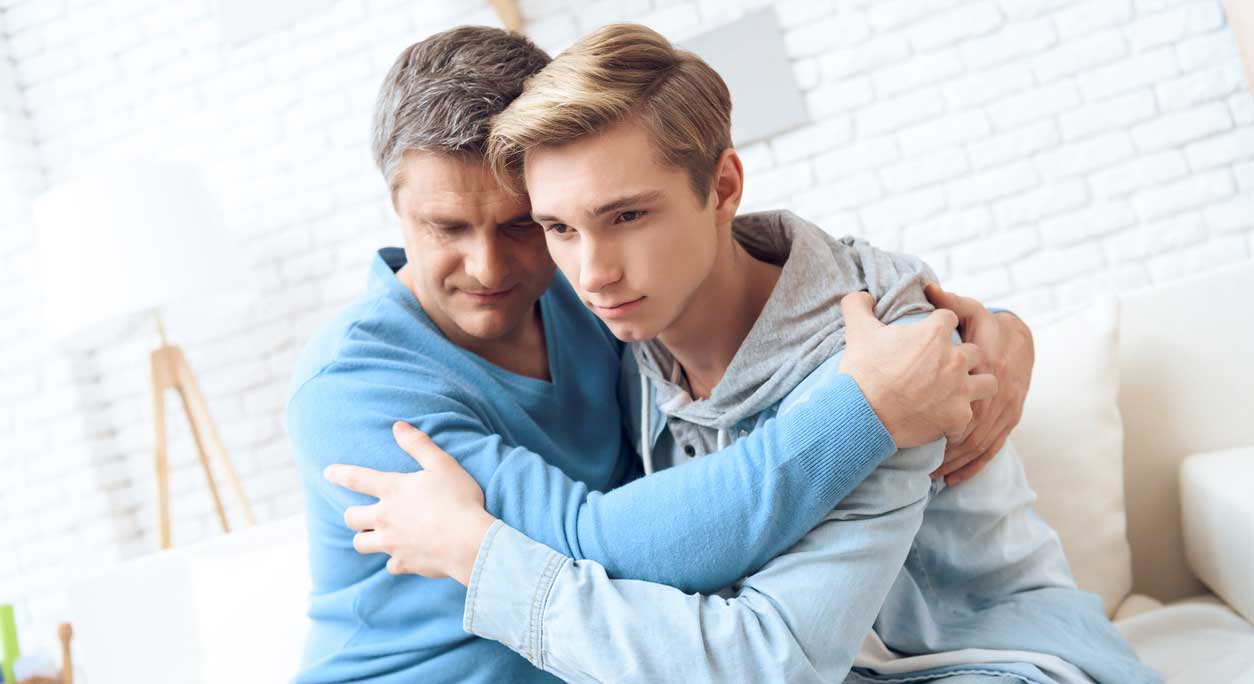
(612, 205)
(521, 218)
(443, 221)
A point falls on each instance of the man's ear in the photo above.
(728, 185)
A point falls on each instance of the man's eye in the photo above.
(561, 229)
(628, 216)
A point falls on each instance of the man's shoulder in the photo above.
(373, 334)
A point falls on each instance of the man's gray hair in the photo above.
(442, 92)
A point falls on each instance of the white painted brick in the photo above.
(1080, 55)
(18, 18)
(1119, 112)
(854, 191)
(1172, 130)
(1143, 172)
(1003, 247)
(768, 187)
(946, 28)
(1052, 266)
(892, 115)
(923, 69)
(1013, 145)
(1150, 239)
(876, 53)
(863, 154)
(1096, 220)
(947, 229)
(1215, 253)
(1206, 50)
(1222, 149)
(1129, 74)
(806, 71)
(1086, 155)
(797, 12)
(924, 169)
(902, 209)
(890, 14)
(1041, 202)
(1171, 26)
(1234, 215)
(1242, 106)
(954, 129)
(982, 87)
(1032, 105)
(1189, 193)
(1200, 86)
(842, 96)
(992, 184)
(756, 157)
(1085, 17)
(837, 31)
(1244, 173)
(812, 139)
(1011, 42)
(985, 286)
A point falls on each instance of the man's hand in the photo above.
(430, 522)
(917, 381)
(1009, 355)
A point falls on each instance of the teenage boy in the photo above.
(624, 146)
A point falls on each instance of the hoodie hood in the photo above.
(801, 325)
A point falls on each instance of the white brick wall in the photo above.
(1036, 152)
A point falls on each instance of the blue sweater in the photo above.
(544, 453)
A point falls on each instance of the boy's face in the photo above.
(625, 228)
(476, 261)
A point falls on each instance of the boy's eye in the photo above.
(560, 228)
(628, 216)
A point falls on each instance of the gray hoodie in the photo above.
(799, 328)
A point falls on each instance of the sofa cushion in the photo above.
(1071, 442)
(1196, 641)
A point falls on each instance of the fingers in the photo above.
(975, 466)
(971, 354)
(359, 479)
(946, 319)
(419, 445)
(394, 567)
(952, 465)
(859, 311)
(981, 386)
(362, 517)
(368, 542)
(939, 297)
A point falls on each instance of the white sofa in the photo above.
(1173, 361)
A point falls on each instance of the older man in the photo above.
(467, 334)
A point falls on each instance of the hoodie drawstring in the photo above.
(646, 444)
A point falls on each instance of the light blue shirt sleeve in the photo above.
(801, 618)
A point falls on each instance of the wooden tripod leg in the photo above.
(189, 399)
(213, 440)
(160, 381)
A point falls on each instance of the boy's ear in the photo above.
(728, 185)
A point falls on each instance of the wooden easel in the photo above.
(64, 634)
(170, 371)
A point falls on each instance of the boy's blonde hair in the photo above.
(616, 72)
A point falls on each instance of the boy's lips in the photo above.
(617, 310)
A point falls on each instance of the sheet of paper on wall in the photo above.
(750, 55)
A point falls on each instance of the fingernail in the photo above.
(402, 426)
(330, 472)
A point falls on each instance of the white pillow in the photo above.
(1071, 442)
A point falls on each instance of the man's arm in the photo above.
(664, 528)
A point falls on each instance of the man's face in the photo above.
(476, 260)
(625, 228)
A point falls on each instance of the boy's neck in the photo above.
(714, 324)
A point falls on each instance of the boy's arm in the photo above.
(773, 486)
(801, 618)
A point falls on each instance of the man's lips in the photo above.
(489, 295)
(617, 310)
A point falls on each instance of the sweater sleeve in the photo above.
(773, 486)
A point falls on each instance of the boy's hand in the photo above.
(430, 522)
(917, 381)
(1008, 353)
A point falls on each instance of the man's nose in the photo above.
(487, 261)
(598, 267)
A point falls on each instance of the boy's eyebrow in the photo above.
(612, 205)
